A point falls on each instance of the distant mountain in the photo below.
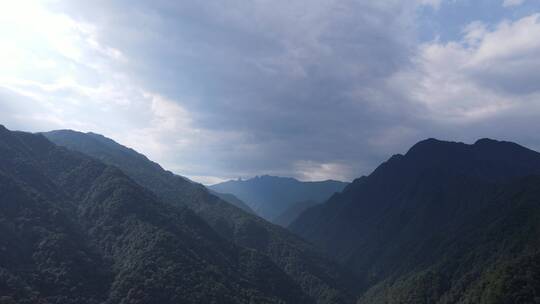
(233, 200)
(445, 223)
(270, 196)
(293, 212)
(320, 278)
(74, 230)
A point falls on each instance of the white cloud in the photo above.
(313, 171)
(433, 3)
(488, 73)
(509, 3)
(509, 41)
(207, 180)
(56, 72)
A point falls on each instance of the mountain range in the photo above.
(321, 279)
(272, 196)
(87, 220)
(445, 223)
(75, 230)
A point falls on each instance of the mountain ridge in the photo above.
(270, 196)
(398, 221)
(86, 233)
(319, 277)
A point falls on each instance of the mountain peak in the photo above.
(412, 211)
(484, 141)
(432, 146)
(271, 177)
(64, 131)
(428, 143)
(489, 143)
(3, 130)
(270, 196)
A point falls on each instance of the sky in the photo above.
(311, 89)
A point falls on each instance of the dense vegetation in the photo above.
(494, 257)
(320, 278)
(445, 223)
(74, 230)
(271, 196)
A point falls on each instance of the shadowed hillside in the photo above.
(293, 212)
(319, 277)
(440, 224)
(74, 230)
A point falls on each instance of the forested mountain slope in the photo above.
(319, 277)
(440, 224)
(74, 230)
(492, 257)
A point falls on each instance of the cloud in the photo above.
(483, 85)
(433, 3)
(272, 81)
(311, 171)
(509, 3)
(310, 89)
(487, 73)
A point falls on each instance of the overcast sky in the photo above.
(312, 89)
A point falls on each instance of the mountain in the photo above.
(75, 230)
(270, 196)
(445, 223)
(319, 277)
(233, 200)
(293, 212)
(494, 257)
